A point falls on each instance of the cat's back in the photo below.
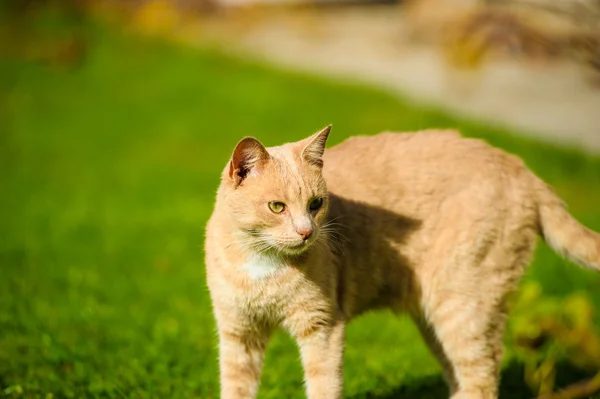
(427, 166)
(380, 150)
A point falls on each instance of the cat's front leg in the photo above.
(322, 352)
(240, 359)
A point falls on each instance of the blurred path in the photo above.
(553, 102)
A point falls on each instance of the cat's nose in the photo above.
(305, 233)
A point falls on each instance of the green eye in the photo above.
(277, 207)
(315, 204)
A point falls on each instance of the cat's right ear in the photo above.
(249, 153)
(315, 147)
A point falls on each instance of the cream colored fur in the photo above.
(432, 224)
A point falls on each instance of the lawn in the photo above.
(108, 174)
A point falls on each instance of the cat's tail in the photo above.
(562, 232)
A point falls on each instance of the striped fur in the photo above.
(432, 224)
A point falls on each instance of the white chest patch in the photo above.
(259, 266)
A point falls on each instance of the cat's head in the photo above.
(277, 197)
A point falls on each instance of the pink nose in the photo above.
(305, 233)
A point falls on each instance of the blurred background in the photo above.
(116, 118)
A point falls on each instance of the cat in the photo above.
(430, 223)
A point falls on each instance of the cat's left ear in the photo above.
(315, 147)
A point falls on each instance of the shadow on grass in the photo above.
(513, 385)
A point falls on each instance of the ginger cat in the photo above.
(432, 224)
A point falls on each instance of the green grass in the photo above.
(108, 175)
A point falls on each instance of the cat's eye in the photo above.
(315, 204)
(276, 207)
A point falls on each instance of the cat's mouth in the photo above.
(298, 248)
